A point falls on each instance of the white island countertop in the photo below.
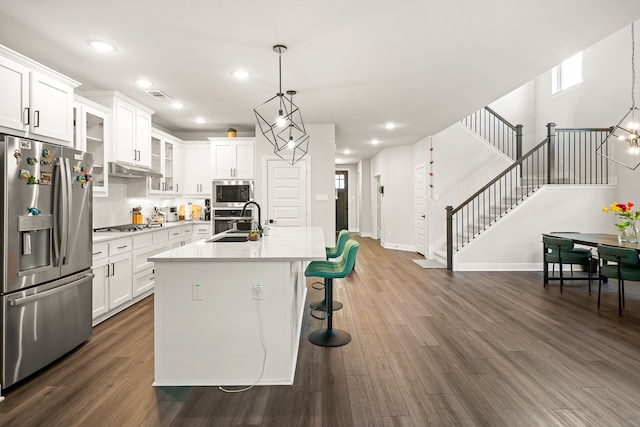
(282, 244)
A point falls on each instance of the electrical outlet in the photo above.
(257, 291)
(196, 292)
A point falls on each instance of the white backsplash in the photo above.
(116, 209)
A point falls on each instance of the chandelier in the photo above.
(280, 121)
(628, 129)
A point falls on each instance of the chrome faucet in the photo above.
(244, 208)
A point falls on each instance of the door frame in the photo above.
(422, 166)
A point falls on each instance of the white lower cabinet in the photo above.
(122, 273)
(100, 283)
(119, 279)
(145, 246)
(201, 231)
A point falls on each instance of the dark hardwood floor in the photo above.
(429, 348)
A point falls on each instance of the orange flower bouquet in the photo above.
(627, 226)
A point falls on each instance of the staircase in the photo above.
(565, 156)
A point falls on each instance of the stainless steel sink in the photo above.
(230, 239)
(230, 236)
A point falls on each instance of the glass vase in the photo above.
(632, 233)
(622, 234)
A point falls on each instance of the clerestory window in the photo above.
(567, 74)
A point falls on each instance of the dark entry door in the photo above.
(342, 200)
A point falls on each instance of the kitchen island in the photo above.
(216, 303)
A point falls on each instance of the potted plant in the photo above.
(231, 133)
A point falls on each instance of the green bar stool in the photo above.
(330, 270)
(334, 252)
(627, 267)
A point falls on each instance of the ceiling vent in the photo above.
(158, 94)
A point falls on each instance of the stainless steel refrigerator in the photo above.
(46, 197)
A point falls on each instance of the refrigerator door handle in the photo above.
(56, 209)
(66, 202)
(35, 297)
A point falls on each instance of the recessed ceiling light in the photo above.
(199, 120)
(241, 74)
(143, 83)
(102, 46)
(177, 105)
(375, 142)
(390, 125)
(347, 151)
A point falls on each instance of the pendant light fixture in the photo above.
(280, 120)
(293, 142)
(628, 128)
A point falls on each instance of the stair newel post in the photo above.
(449, 238)
(519, 145)
(551, 155)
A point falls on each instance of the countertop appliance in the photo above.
(223, 219)
(231, 194)
(46, 249)
(171, 214)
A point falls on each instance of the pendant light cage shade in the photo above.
(292, 154)
(269, 113)
(622, 144)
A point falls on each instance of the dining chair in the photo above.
(561, 251)
(626, 267)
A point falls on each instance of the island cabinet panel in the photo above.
(227, 315)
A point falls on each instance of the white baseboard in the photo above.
(362, 234)
(408, 248)
(497, 267)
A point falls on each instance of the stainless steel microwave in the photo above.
(231, 194)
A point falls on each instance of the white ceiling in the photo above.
(423, 64)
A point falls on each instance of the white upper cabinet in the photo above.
(92, 127)
(197, 169)
(166, 158)
(233, 158)
(14, 102)
(36, 101)
(131, 127)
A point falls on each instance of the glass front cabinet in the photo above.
(91, 134)
(166, 158)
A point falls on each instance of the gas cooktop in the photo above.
(127, 227)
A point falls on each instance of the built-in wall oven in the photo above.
(223, 219)
(231, 194)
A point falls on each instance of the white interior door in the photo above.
(287, 193)
(420, 200)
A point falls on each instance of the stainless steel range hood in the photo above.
(128, 171)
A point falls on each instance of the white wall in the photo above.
(322, 152)
(365, 217)
(519, 108)
(395, 167)
(601, 100)
(514, 242)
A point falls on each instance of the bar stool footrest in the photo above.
(322, 305)
(330, 338)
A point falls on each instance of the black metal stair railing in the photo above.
(497, 131)
(565, 156)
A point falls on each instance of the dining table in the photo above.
(595, 239)
(591, 240)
